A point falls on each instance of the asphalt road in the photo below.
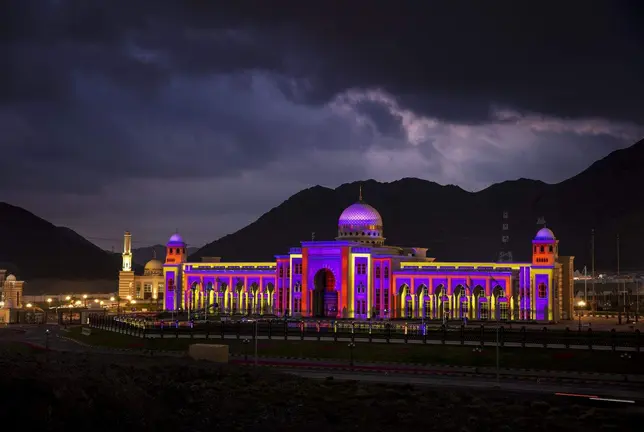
(604, 391)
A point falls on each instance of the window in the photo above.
(361, 288)
(160, 289)
(137, 292)
(377, 272)
(465, 307)
(550, 248)
(385, 297)
(147, 291)
(170, 284)
(386, 272)
(541, 290)
(361, 269)
(281, 271)
(503, 311)
(297, 268)
(288, 272)
(280, 299)
(485, 311)
(541, 249)
(377, 299)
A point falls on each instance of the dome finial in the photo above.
(360, 196)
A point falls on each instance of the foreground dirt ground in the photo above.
(57, 391)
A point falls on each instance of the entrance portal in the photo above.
(325, 297)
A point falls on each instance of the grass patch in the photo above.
(528, 358)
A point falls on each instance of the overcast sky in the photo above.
(156, 115)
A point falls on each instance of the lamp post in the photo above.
(49, 300)
(351, 348)
(85, 299)
(498, 344)
(637, 300)
(246, 342)
(256, 325)
(580, 304)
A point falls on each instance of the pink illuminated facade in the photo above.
(358, 276)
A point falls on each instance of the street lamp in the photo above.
(580, 304)
(112, 299)
(49, 300)
(68, 298)
(351, 348)
(28, 305)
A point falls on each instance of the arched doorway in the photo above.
(325, 297)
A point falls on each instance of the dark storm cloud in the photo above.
(116, 108)
(548, 58)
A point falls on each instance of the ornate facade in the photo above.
(149, 286)
(11, 297)
(358, 276)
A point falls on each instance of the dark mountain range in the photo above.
(34, 248)
(458, 225)
(454, 224)
(142, 255)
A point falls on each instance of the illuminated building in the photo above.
(358, 276)
(10, 296)
(148, 287)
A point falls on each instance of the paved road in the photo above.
(603, 391)
(417, 369)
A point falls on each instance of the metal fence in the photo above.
(377, 333)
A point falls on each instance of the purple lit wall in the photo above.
(171, 287)
(541, 303)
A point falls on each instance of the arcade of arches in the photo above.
(460, 304)
(219, 297)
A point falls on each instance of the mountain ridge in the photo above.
(453, 223)
(459, 225)
(36, 248)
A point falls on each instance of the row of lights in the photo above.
(78, 302)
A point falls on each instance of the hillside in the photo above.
(142, 255)
(458, 225)
(34, 248)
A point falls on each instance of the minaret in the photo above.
(127, 251)
(126, 275)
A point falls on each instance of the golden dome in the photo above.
(153, 266)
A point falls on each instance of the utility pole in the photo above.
(505, 255)
(617, 256)
(586, 284)
(592, 270)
